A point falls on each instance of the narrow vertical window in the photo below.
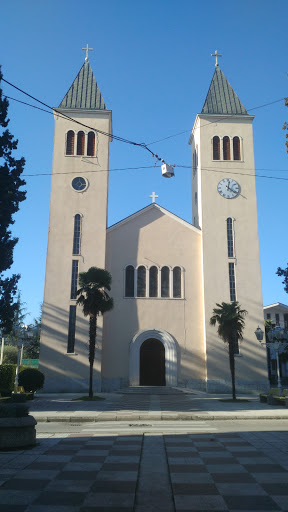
(165, 282)
(70, 143)
(285, 320)
(91, 144)
(71, 330)
(268, 316)
(216, 148)
(177, 282)
(232, 282)
(226, 148)
(77, 233)
(153, 282)
(74, 279)
(141, 281)
(230, 238)
(277, 319)
(236, 148)
(236, 346)
(129, 281)
(80, 143)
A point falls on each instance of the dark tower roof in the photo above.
(84, 93)
(221, 98)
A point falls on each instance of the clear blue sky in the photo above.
(152, 62)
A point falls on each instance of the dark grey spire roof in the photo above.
(84, 93)
(221, 99)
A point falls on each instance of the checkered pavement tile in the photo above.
(224, 472)
(87, 474)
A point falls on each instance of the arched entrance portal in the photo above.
(169, 355)
(152, 363)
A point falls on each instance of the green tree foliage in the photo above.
(230, 320)
(10, 197)
(94, 299)
(283, 272)
(10, 354)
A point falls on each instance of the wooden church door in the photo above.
(152, 363)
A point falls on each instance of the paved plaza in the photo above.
(133, 472)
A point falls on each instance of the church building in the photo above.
(167, 274)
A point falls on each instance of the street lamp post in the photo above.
(277, 339)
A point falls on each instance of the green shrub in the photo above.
(7, 377)
(10, 354)
(31, 380)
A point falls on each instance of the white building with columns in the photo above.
(167, 274)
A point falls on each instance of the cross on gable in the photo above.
(216, 54)
(153, 195)
(87, 50)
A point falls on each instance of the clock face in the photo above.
(229, 188)
(79, 184)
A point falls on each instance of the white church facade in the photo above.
(167, 274)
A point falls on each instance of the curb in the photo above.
(136, 417)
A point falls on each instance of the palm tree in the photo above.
(94, 301)
(230, 319)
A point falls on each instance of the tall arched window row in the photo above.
(165, 282)
(80, 143)
(77, 234)
(177, 283)
(230, 238)
(129, 281)
(153, 282)
(70, 143)
(216, 148)
(141, 281)
(91, 144)
(226, 148)
(236, 148)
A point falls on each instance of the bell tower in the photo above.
(224, 208)
(77, 230)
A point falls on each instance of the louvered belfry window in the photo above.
(70, 143)
(236, 148)
(91, 144)
(226, 148)
(80, 143)
(216, 148)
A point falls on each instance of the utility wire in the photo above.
(62, 115)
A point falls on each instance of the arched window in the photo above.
(236, 148)
(91, 144)
(165, 282)
(129, 281)
(230, 238)
(77, 230)
(153, 282)
(216, 148)
(80, 143)
(226, 148)
(70, 143)
(141, 281)
(177, 282)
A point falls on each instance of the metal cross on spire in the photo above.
(216, 54)
(153, 195)
(87, 50)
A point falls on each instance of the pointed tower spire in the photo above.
(221, 98)
(84, 92)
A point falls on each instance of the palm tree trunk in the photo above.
(92, 343)
(232, 367)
